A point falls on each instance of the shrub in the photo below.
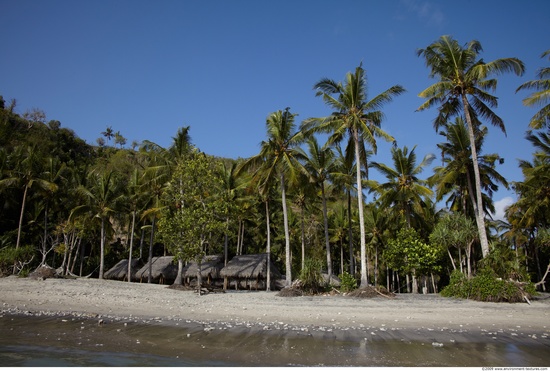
(486, 286)
(311, 277)
(10, 255)
(347, 282)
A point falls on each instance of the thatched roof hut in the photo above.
(210, 268)
(249, 271)
(164, 270)
(120, 270)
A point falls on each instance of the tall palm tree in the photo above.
(404, 190)
(320, 163)
(463, 88)
(28, 172)
(540, 97)
(136, 202)
(359, 119)
(278, 158)
(103, 195)
(344, 178)
(455, 176)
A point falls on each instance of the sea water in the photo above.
(71, 341)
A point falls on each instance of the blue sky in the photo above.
(146, 68)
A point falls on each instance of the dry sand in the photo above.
(406, 315)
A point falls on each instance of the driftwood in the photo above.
(541, 282)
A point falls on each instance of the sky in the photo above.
(146, 68)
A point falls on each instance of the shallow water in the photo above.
(70, 341)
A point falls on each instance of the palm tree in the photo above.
(357, 118)
(232, 193)
(404, 189)
(103, 197)
(28, 172)
(320, 163)
(344, 178)
(540, 97)
(462, 89)
(155, 181)
(136, 201)
(455, 175)
(278, 157)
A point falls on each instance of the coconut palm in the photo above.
(28, 172)
(539, 98)
(404, 190)
(463, 88)
(357, 118)
(344, 178)
(455, 176)
(278, 157)
(103, 197)
(136, 202)
(320, 163)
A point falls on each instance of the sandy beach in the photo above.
(114, 300)
(236, 325)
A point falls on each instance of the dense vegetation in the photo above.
(84, 207)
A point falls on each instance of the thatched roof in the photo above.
(163, 268)
(120, 270)
(249, 266)
(210, 266)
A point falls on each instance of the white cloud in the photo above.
(425, 11)
(500, 207)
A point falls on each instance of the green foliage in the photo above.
(503, 261)
(408, 253)
(195, 215)
(10, 255)
(311, 276)
(347, 282)
(486, 286)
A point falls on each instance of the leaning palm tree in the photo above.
(278, 157)
(357, 118)
(540, 97)
(463, 89)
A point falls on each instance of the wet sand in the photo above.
(430, 319)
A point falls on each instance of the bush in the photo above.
(311, 277)
(10, 255)
(486, 286)
(347, 282)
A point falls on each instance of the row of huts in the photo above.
(241, 272)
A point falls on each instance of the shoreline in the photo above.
(408, 317)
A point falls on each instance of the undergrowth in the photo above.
(486, 286)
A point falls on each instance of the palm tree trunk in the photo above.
(364, 278)
(287, 234)
(327, 241)
(226, 242)
(268, 248)
(129, 277)
(102, 249)
(303, 238)
(341, 255)
(239, 238)
(21, 216)
(150, 278)
(350, 237)
(45, 243)
(478, 206)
